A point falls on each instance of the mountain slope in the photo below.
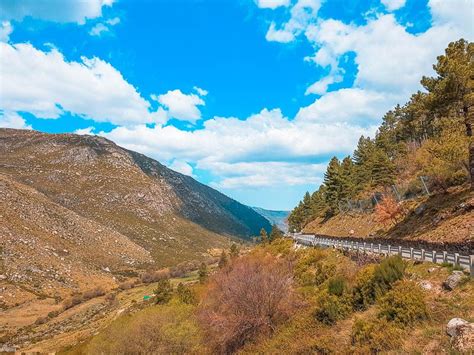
(280, 218)
(170, 215)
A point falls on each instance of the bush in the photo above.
(337, 286)
(332, 308)
(375, 335)
(41, 320)
(374, 281)
(404, 304)
(247, 301)
(185, 294)
(154, 276)
(167, 329)
(96, 292)
(163, 291)
(126, 285)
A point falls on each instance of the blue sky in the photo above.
(250, 97)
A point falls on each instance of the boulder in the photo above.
(462, 334)
(426, 285)
(420, 209)
(453, 280)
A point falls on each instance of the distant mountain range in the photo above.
(275, 217)
(79, 208)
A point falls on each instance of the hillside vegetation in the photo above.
(279, 298)
(425, 144)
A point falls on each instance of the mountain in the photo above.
(74, 206)
(275, 217)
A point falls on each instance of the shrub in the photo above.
(404, 304)
(110, 297)
(337, 286)
(41, 320)
(185, 294)
(374, 281)
(332, 308)
(389, 211)
(166, 329)
(126, 285)
(154, 276)
(96, 292)
(247, 301)
(163, 291)
(223, 260)
(375, 335)
(72, 301)
(203, 273)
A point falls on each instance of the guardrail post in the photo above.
(411, 254)
(400, 251)
(371, 247)
(445, 257)
(389, 249)
(433, 259)
(422, 254)
(456, 258)
(471, 265)
(364, 246)
(380, 248)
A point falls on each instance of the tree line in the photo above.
(431, 135)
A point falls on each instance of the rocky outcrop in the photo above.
(453, 280)
(462, 334)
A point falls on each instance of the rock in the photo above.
(420, 209)
(426, 285)
(351, 232)
(461, 333)
(106, 269)
(453, 280)
(432, 269)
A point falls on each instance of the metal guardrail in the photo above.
(464, 261)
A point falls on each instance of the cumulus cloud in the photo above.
(182, 167)
(302, 14)
(320, 87)
(257, 151)
(272, 4)
(47, 85)
(181, 106)
(84, 131)
(6, 29)
(53, 10)
(10, 119)
(393, 5)
(100, 28)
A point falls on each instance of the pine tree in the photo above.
(234, 251)
(223, 260)
(163, 291)
(185, 295)
(275, 233)
(346, 180)
(382, 170)
(203, 273)
(332, 183)
(263, 236)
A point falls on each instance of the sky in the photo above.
(252, 97)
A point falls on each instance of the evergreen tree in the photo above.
(346, 179)
(275, 233)
(234, 251)
(163, 291)
(263, 236)
(382, 170)
(185, 295)
(332, 183)
(223, 260)
(203, 273)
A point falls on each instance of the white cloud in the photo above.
(83, 131)
(302, 14)
(47, 85)
(200, 91)
(98, 29)
(266, 139)
(181, 106)
(272, 4)
(113, 21)
(6, 29)
(53, 10)
(182, 167)
(10, 119)
(393, 5)
(320, 87)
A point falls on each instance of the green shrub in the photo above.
(375, 335)
(337, 286)
(185, 294)
(404, 304)
(332, 308)
(374, 281)
(163, 291)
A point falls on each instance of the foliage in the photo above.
(404, 304)
(375, 335)
(331, 308)
(389, 210)
(263, 236)
(185, 294)
(166, 329)
(234, 251)
(247, 301)
(203, 273)
(163, 291)
(337, 285)
(275, 233)
(223, 260)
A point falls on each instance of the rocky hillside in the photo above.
(77, 206)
